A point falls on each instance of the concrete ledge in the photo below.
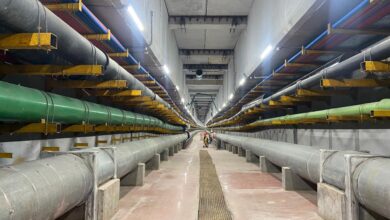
(251, 157)
(241, 152)
(266, 166)
(235, 149)
(135, 177)
(171, 151)
(154, 163)
(108, 199)
(293, 182)
(165, 155)
(331, 202)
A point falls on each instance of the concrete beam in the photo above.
(108, 199)
(154, 163)
(207, 52)
(208, 22)
(293, 182)
(204, 82)
(135, 177)
(266, 166)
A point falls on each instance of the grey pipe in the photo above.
(48, 188)
(27, 15)
(371, 179)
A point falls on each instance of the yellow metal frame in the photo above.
(319, 93)
(332, 30)
(120, 54)
(50, 149)
(5, 155)
(52, 70)
(376, 66)
(132, 67)
(84, 84)
(81, 128)
(28, 41)
(355, 83)
(81, 145)
(124, 93)
(71, 7)
(99, 37)
(380, 114)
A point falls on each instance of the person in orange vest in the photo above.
(206, 140)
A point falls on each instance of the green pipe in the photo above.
(22, 104)
(355, 110)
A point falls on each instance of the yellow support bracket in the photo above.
(355, 83)
(28, 41)
(348, 118)
(132, 99)
(71, 7)
(99, 37)
(121, 54)
(84, 84)
(380, 113)
(81, 128)
(125, 93)
(332, 30)
(319, 93)
(279, 103)
(305, 51)
(149, 82)
(50, 149)
(52, 70)
(6, 155)
(81, 145)
(376, 67)
(287, 64)
(132, 67)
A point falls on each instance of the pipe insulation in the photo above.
(22, 104)
(28, 15)
(370, 180)
(48, 188)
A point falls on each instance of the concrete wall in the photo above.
(164, 45)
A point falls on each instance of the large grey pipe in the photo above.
(47, 188)
(371, 179)
(27, 15)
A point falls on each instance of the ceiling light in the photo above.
(135, 18)
(231, 96)
(266, 52)
(224, 104)
(166, 69)
(183, 100)
(219, 109)
(177, 88)
(242, 81)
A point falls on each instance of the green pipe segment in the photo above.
(349, 111)
(22, 104)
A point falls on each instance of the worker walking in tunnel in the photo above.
(206, 140)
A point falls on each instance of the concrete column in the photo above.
(165, 155)
(223, 145)
(108, 199)
(229, 147)
(293, 182)
(331, 202)
(266, 166)
(251, 157)
(176, 149)
(154, 163)
(235, 149)
(135, 177)
(241, 152)
(171, 151)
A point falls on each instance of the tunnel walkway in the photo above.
(172, 193)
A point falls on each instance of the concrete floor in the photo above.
(171, 193)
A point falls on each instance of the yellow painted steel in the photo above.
(287, 64)
(355, 83)
(50, 149)
(305, 51)
(28, 41)
(52, 70)
(380, 113)
(132, 67)
(84, 84)
(149, 82)
(101, 141)
(99, 37)
(45, 128)
(319, 93)
(82, 128)
(376, 66)
(81, 145)
(332, 30)
(347, 118)
(279, 103)
(72, 7)
(121, 54)
(131, 93)
(6, 155)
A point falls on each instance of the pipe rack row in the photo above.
(48, 188)
(350, 113)
(21, 16)
(370, 180)
(26, 105)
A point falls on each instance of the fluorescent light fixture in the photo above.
(231, 96)
(182, 100)
(242, 81)
(224, 105)
(135, 18)
(266, 52)
(166, 69)
(177, 88)
(219, 109)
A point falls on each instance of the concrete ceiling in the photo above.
(207, 25)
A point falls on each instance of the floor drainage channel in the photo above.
(212, 205)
